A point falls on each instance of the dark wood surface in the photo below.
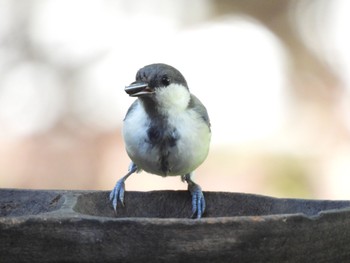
(81, 226)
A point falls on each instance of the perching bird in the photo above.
(166, 130)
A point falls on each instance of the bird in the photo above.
(166, 131)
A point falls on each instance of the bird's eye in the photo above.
(165, 80)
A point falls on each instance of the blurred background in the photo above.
(274, 76)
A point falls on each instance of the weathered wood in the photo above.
(80, 226)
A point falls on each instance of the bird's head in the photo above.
(154, 77)
(162, 84)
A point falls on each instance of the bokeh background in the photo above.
(274, 75)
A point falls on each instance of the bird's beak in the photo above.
(137, 89)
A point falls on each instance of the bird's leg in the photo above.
(119, 188)
(198, 201)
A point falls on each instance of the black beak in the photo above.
(137, 88)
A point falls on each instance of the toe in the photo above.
(198, 203)
(117, 194)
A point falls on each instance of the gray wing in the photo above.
(197, 106)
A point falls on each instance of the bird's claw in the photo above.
(198, 201)
(117, 194)
(119, 188)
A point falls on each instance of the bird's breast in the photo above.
(175, 145)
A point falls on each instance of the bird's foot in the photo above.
(117, 194)
(118, 191)
(198, 200)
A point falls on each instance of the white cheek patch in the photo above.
(173, 98)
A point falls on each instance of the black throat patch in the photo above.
(164, 138)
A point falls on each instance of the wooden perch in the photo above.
(80, 226)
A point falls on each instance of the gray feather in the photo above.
(197, 106)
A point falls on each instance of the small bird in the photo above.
(166, 131)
